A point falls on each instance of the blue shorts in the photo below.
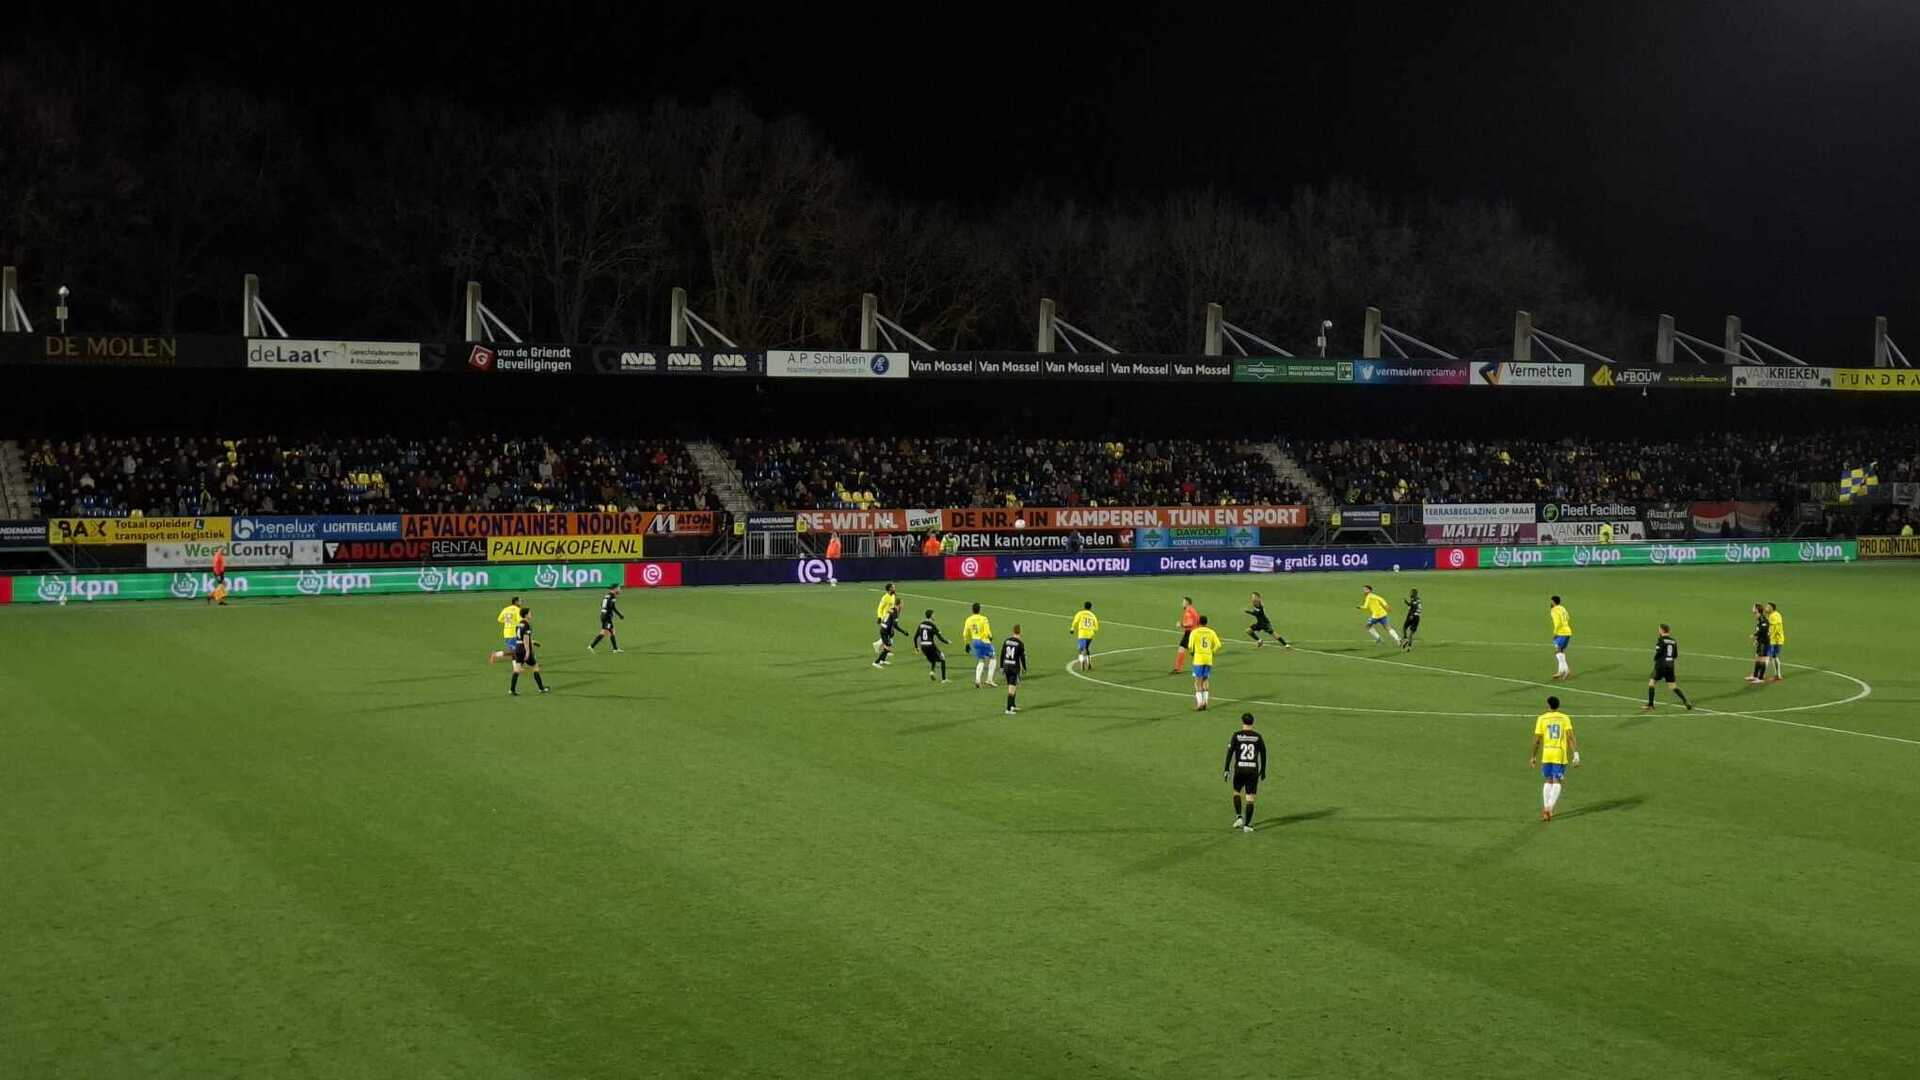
(1381, 621)
(1553, 772)
(982, 650)
(1203, 671)
(1773, 650)
(1086, 643)
(1560, 643)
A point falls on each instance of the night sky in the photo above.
(1754, 158)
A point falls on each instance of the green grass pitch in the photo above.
(316, 838)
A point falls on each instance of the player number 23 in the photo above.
(1246, 752)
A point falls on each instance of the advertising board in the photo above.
(189, 585)
(198, 554)
(137, 530)
(304, 355)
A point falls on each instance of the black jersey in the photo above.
(927, 634)
(1013, 654)
(1246, 751)
(1259, 613)
(1760, 635)
(609, 607)
(524, 633)
(1665, 651)
(1413, 609)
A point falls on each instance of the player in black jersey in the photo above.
(609, 608)
(1258, 612)
(523, 657)
(1013, 661)
(1410, 623)
(1760, 639)
(929, 638)
(1666, 655)
(1246, 766)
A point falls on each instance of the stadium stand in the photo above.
(794, 473)
(102, 476)
(1708, 466)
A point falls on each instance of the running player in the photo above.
(1189, 619)
(609, 607)
(1204, 642)
(1776, 640)
(929, 638)
(1376, 608)
(1410, 622)
(1013, 660)
(1085, 625)
(523, 656)
(509, 620)
(1553, 741)
(1562, 637)
(1762, 631)
(1258, 612)
(977, 632)
(887, 617)
(1666, 655)
(1246, 766)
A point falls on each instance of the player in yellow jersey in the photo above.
(1562, 636)
(1085, 625)
(1553, 747)
(1376, 608)
(1776, 640)
(509, 620)
(978, 635)
(1203, 643)
(887, 614)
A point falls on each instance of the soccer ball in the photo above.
(1019, 523)
(1396, 568)
(63, 599)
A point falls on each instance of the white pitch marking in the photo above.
(1866, 688)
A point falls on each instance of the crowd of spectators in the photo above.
(188, 476)
(1708, 466)
(793, 474)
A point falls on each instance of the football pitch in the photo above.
(317, 838)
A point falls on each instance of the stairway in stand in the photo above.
(720, 475)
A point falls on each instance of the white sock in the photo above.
(980, 671)
(1199, 698)
(1375, 633)
(1546, 796)
(1553, 795)
(1395, 633)
(1560, 662)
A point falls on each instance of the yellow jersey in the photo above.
(976, 628)
(1562, 622)
(509, 620)
(1776, 628)
(1085, 624)
(888, 601)
(1375, 605)
(1554, 730)
(1203, 642)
